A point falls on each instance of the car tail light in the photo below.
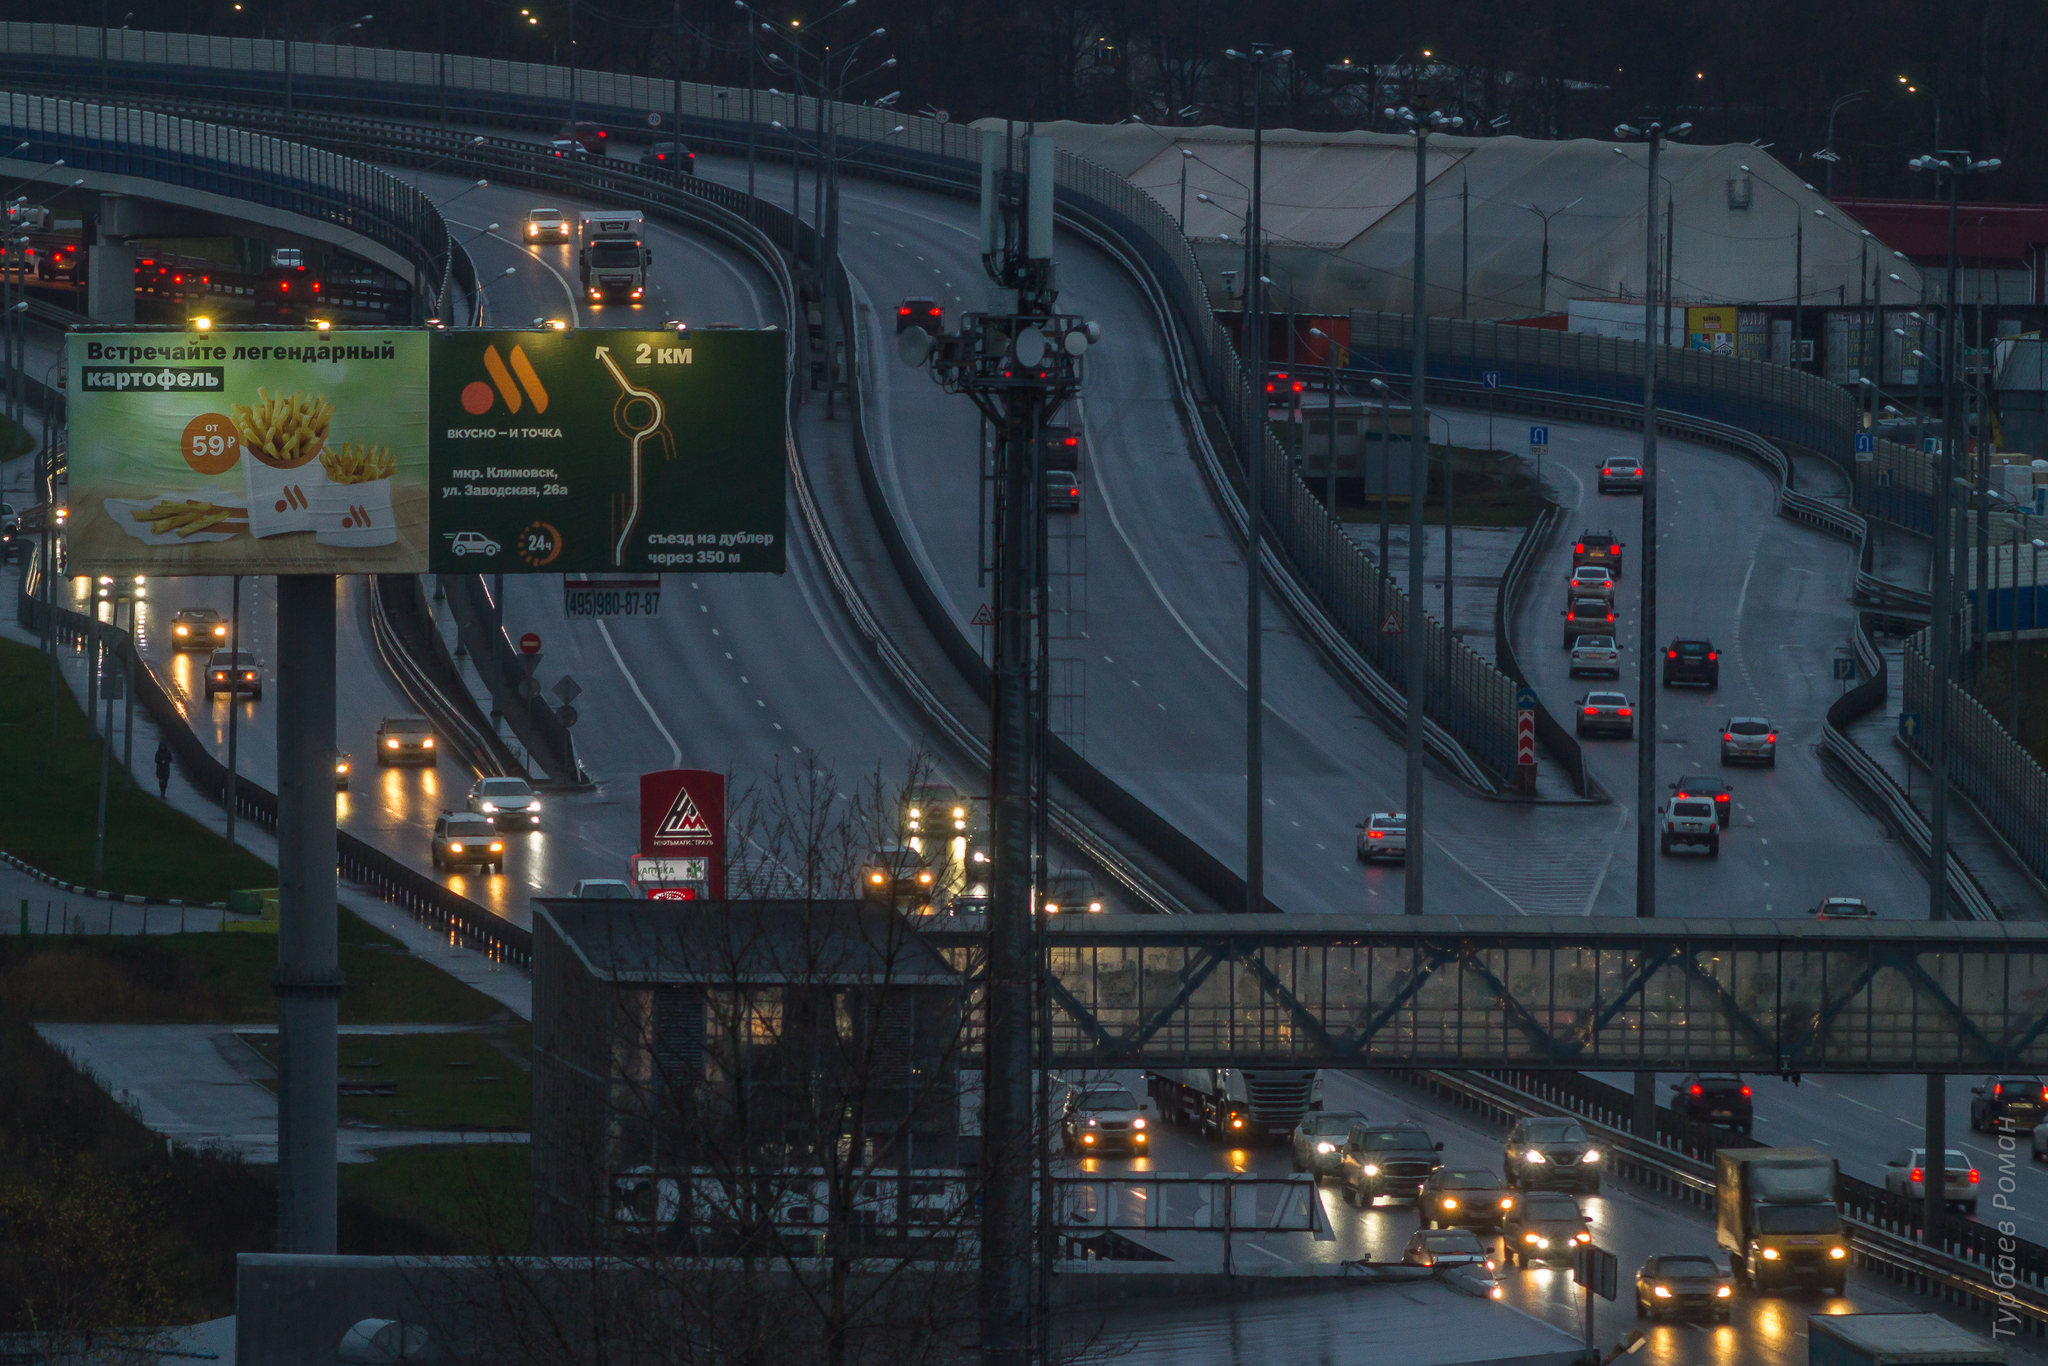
(1625, 711)
(1073, 493)
(1698, 1090)
(1998, 1089)
(1713, 654)
(1727, 735)
(1915, 1175)
(1374, 835)
(1671, 654)
(1722, 798)
(1073, 441)
(1592, 711)
(1973, 1176)
(1579, 549)
(1745, 1090)
(902, 312)
(1772, 737)
(1614, 550)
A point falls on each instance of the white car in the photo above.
(506, 801)
(1689, 820)
(1592, 581)
(1383, 834)
(1903, 1176)
(1596, 655)
(547, 225)
(473, 543)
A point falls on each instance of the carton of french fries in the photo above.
(354, 505)
(282, 438)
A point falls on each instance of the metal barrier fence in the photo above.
(2005, 783)
(361, 863)
(371, 203)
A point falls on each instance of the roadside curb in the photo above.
(97, 894)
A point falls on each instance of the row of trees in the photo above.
(1954, 75)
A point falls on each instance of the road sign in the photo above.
(1493, 379)
(654, 120)
(1909, 724)
(1884, 479)
(650, 870)
(1596, 1269)
(983, 617)
(1866, 444)
(1392, 625)
(601, 452)
(1525, 699)
(567, 690)
(611, 597)
(1539, 436)
(529, 644)
(1845, 668)
(567, 714)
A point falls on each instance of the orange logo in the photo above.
(510, 380)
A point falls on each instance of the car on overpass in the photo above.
(1905, 1175)
(1544, 1152)
(1843, 908)
(1458, 1252)
(931, 809)
(1588, 617)
(232, 672)
(1692, 661)
(342, 764)
(1547, 1226)
(1597, 548)
(1683, 1285)
(1596, 655)
(669, 156)
(591, 137)
(1708, 1098)
(1062, 491)
(1071, 890)
(1707, 788)
(1606, 713)
(1383, 835)
(1622, 474)
(2004, 1104)
(505, 802)
(898, 874)
(1749, 740)
(1464, 1197)
(921, 312)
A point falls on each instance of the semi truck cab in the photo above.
(613, 261)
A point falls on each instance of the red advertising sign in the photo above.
(682, 817)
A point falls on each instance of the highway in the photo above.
(1765, 1330)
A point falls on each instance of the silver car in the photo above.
(1319, 1142)
(1904, 1176)
(507, 801)
(1606, 713)
(1383, 834)
(1749, 740)
(1596, 655)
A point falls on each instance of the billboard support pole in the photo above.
(308, 980)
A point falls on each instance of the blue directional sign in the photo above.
(1493, 379)
(1884, 479)
(1539, 436)
(1865, 443)
(1525, 699)
(1909, 724)
(1845, 668)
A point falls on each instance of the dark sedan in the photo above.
(1464, 1199)
(1546, 1153)
(1684, 1286)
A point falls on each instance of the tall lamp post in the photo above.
(1955, 165)
(1647, 653)
(1420, 124)
(1543, 288)
(1258, 57)
(1827, 155)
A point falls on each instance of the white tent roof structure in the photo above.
(1339, 219)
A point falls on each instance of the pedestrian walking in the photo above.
(163, 768)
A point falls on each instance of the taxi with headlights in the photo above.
(1687, 1285)
(1464, 1198)
(1545, 1227)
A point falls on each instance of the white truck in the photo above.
(612, 262)
(1233, 1103)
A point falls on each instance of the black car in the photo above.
(1543, 1152)
(1386, 1159)
(924, 313)
(1692, 661)
(671, 156)
(1687, 1285)
(2007, 1103)
(1723, 1100)
(1708, 788)
(1597, 548)
(1544, 1227)
(1465, 1198)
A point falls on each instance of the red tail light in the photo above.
(1722, 798)
(1713, 654)
(1595, 711)
(1772, 738)
(1579, 549)
(1073, 493)
(284, 286)
(1073, 441)
(1698, 1090)
(1998, 1089)
(1916, 1175)
(1610, 616)
(902, 312)
(1626, 712)
(1973, 1176)
(316, 286)
(1671, 654)
(1725, 735)
(1745, 1090)
(1614, 550)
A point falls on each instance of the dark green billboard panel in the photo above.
(596, 452)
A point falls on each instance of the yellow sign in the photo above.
(1710, 329)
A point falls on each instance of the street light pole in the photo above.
(1257, 57)
(1648, 654)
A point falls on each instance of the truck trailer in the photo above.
(1896, 1340)
(1231, 1102)
(1775, 1216)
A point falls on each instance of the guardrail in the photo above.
(1976, 1265)
(2003, 781)
(361, 863)
(1563, 745)
(401, 636)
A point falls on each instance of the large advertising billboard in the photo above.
(682, 835)
(248, 453)
(596, 452)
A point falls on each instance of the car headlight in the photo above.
(1528, 1237)
(1450, 1202)
(455, 848)
(534, 806)
(1138, 1123)
(221, 631)
(1533, 1156)
(1091, 1123)
(1494, 1293)
(1592, 1155)
(391, 744)
(1370, 1169)
(427, 743)
(1326, 1148)
(490, 808)
(1583, 1237)
(184, 630)
(1237, 1121)
(497, 848)
(1543, 1243)
(1661, 1292)
(1508, 1202)
(1722, 1292)
(1770, 1254)
(1838, 1252)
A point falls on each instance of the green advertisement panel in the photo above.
(248, 453)
(594, 452)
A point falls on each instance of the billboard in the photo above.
(597, 452)
(682, 831)
(248, 453)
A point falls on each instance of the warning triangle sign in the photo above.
(1392, 625)
(683, 820)
(983, 617)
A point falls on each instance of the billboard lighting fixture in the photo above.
(558, 325)
(320, 325)
(202, 324)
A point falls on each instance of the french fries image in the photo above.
(283, 430)
(188, 517)
(357, 464)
